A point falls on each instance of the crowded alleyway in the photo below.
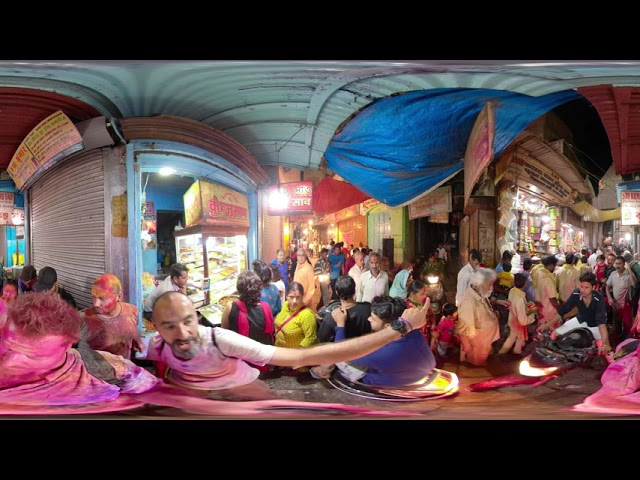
(551, 400)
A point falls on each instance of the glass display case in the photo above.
(214, 258)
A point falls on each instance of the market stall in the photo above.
(213, 246)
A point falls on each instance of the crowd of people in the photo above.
(499, 312)
(378, 327)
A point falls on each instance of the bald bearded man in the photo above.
(214, 362)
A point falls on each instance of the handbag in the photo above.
(288, 320)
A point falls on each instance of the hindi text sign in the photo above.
(290, 198)
(630, 207)
(53, 138)
(433, 203)
(208, 203)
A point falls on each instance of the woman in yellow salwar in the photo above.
(295, 325)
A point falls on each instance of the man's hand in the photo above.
(138, 346)
(604, 349)
(339, 316)
(417, 317)
(550, 325)
(635, 328)
(504, 303)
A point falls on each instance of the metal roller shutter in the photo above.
(68, 223)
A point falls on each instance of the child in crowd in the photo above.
(278, 281)
(505, 277)
(443, 335)
(599, 269)
(521, 314)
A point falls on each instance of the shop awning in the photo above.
(592, 214)
(333, 195)
(399, 148)
(555, 160)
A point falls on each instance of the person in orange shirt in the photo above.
(111, 325)
(304, 276)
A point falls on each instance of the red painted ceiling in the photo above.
(21, 109)
(619, 110)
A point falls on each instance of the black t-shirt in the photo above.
(256, 323)
(357, 323)
(67, 297)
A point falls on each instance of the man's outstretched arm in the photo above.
(329, 353)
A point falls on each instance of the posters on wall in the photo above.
(630, 207)
(439, 218)
(119, 223)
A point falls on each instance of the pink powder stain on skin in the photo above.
(107, 286)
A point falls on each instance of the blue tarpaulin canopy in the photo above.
(399, 148)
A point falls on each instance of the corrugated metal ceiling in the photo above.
(283, 112)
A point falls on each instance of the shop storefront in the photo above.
(536, 188)
(351, 226)
(66, 177)
(12, 243)
(432, 219)
(541, 230)
(386, 230)
(232, 177)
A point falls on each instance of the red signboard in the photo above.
(290, 198)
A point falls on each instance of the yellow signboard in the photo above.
(52, 139)
(207, 203)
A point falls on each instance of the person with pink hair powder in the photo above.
(111, 325)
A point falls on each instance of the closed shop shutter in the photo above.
(378, 228)
(68, 223)
(271, 232)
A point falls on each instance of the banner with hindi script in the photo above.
(207, 203)
(52, 139)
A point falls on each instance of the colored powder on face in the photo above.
(108, 282)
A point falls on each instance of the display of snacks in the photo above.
(226, 258)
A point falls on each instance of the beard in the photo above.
(192, 351)
(487, 294)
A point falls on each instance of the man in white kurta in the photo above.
(477, 325)
(464, 275)
(567, 278)
(544, 284)
(373, 282)
(355, 272)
